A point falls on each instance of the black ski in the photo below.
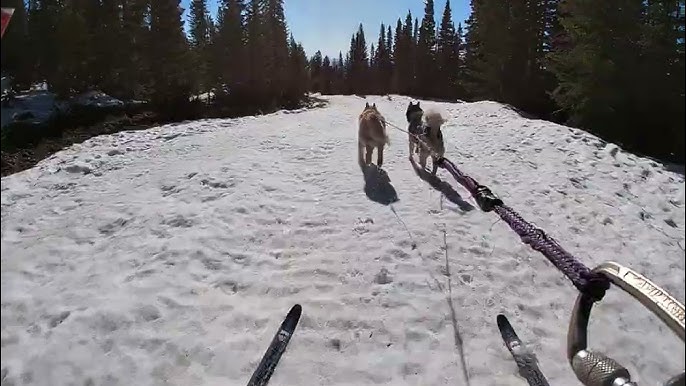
(278, 345)
(526, 360)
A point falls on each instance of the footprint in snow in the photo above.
(383, 277)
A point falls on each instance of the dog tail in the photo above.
(387, 139)
(382, 121)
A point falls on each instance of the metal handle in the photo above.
(595, 369)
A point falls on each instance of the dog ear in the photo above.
(366, 105)
(417, 103)
(373, 105)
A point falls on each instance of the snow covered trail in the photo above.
(170, 256)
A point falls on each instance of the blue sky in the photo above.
(327, 25)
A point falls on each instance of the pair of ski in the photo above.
(526, 361)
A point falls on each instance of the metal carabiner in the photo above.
(596, 369)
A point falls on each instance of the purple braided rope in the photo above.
(463, 179)
(585, 280)
(581, 276)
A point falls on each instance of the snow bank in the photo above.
(32, 108)
(97, 100)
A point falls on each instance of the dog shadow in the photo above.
(442, 186)
(377, 185)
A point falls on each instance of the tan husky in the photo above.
(371, 134)
(433, 137)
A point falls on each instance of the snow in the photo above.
(33, 107)
(97, 99)
(38, 106)
(171, 255)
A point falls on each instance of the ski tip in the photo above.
(296, 310)
(502, 321)
(292, 318)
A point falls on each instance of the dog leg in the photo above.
(422, 159)
(368, 154)
(379, 156)
(434, 166)
(411, 146)
(360, 151)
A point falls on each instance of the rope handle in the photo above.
(586, 281)
(596, 369)
(591, 368)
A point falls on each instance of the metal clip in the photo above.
(595, 369)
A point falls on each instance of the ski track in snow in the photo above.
(170, 256)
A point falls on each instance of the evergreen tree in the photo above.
(256, 47)
(382, 63)
(460, 51)
(43, 18)
(135, 42)
(277, 49)
(447, 55)
(168, 57)
(601, 63)
(16, 59)
(425, 55)
(200, 30)
(316, 72)
(339, 80)
(229, 55)
(297, 71)
(399, 58)
(71, 72)
(406, 68)
(389, 42)
(622, 82)
(358, 63)
(327, 83)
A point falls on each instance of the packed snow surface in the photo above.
(170, 256)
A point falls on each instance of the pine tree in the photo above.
(487, 44)
(297, 71)
(358, 63)
(389, 42)
(460, 50)
(621, 81)
(168, 57)
(256, 47)
(71, 73)
(661, 84)
(276, 48)
(597, 73)
(447, 55)
(414, 55)
(426, 51)
(316, 72)
(381, 68)
(229, 55)
(200, 23)
(390, 71)
(43, 17)
(135, 32)
(372, 57)
(16, 59)
(339, 80)
(399, 58)
(406, 57)
(327, 82)
(106, 28)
